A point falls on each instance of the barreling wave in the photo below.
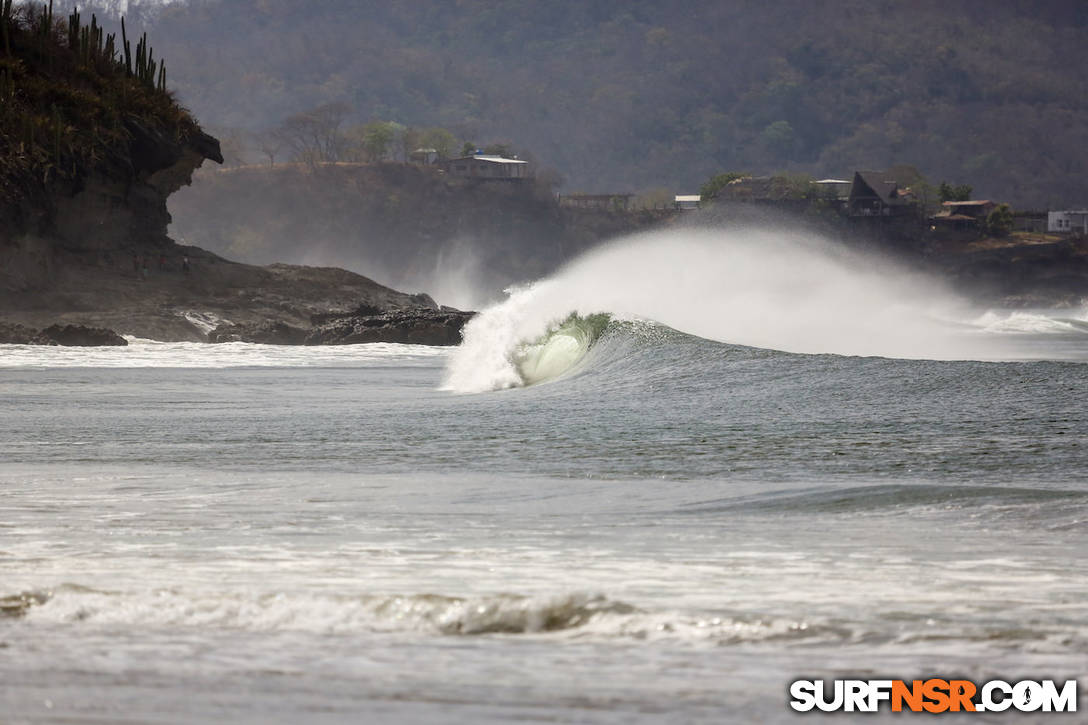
(559, 349)
(772, 289)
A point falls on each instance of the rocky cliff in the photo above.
(99, 214)
(91, 147)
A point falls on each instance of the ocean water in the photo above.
(670, 524)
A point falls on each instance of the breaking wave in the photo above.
(572, 615)
(775, 290)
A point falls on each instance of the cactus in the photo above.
(57, 128)
(128, 49)
(73, 30)
(5, 21)
(45, 26)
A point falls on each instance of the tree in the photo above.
(999, 221)
(440, 140)
(499, 149)
(957, 192)
(410, 140)
(314, 136)
(378, 137)
(269, 143)
(713, 187)
(468, 149)
(779, 139)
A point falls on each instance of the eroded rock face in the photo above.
(82, 336)
(112, 209)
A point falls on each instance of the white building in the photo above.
(687, 201)
(1067, 221)
(486, 166)
(834, 188)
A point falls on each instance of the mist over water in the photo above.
(777, 289)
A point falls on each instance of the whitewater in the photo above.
(656, 487)
(769, 288)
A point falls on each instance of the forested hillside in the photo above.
(633, 94)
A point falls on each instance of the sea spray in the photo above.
(777, 289)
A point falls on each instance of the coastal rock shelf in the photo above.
(414, 327)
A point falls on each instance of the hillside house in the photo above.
(963, 215)
(872, 194)
(1070, 222)
(834, 189)
(484, 166)
(687, 202)
(424, 157)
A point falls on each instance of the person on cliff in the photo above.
(185, 265)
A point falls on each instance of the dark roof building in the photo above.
(873, 194)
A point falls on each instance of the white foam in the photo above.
(142, 353)
(204, 321)
(780, 290)
(577, 614)
(1033, 322)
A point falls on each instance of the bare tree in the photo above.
(269, 143)
(313, 136)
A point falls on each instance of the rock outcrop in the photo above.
(12, 334)
(83, 336)
(419, 326)
(412, 327)
(67, 335)
(265, 333)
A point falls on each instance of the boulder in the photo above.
(82, 336)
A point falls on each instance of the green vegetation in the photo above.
(999, 221)
(321, 135)
(711, 188)
(623, 95)
(378, 138)
(957, 192)
(68, 99)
